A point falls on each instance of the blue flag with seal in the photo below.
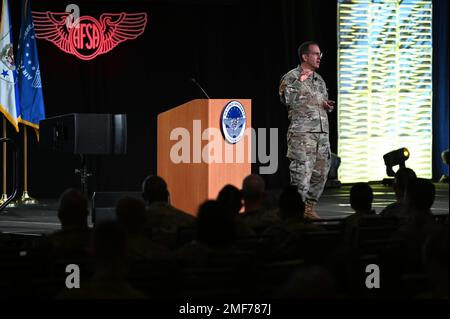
(29, 75)
(9, 93)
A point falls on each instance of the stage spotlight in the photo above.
(397, 157)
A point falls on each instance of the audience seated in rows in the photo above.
(143, 235)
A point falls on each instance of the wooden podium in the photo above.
(193, 156)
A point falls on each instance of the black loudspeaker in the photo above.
(85, 133)
(103, 204)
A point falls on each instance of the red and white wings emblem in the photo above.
(87, 37)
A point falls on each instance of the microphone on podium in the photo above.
(200, 87)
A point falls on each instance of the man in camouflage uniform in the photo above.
(304, 93)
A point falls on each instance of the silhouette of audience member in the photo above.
(109, 280)
(215, 236)
(130, 213)
(284, 237)
(419, 200)
(311, 282)
(74, 238)
(435, 258)
(215, 229)
(163, 219)
(403, 178)
(361, 197)
(255, 215)
(231, 198)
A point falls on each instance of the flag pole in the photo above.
(25, 199)
(4, 195)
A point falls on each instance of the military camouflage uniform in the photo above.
(307, 137)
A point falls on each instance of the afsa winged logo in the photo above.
(87, 37)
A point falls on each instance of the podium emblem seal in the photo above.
(233, 121)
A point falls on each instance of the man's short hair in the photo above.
(73, 207)
(361, 196)
(304, 48)
(154, 189)
(253, 187)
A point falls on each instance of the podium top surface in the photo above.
(207, 102)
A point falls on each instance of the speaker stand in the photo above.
(84, 175)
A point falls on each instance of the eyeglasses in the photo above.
(319, 54)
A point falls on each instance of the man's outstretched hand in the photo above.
(329, 105)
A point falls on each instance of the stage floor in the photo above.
(42, 217)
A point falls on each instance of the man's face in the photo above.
(312, 57)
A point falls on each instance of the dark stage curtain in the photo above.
(234, 49)
(440, 86)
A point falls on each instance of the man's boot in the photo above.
(310, 210)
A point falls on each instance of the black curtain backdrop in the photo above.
(233, 49)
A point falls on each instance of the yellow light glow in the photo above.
(384, 86)
(405, 152)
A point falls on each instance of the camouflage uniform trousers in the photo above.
(310, 158)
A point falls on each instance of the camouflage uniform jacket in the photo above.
(305, 102)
